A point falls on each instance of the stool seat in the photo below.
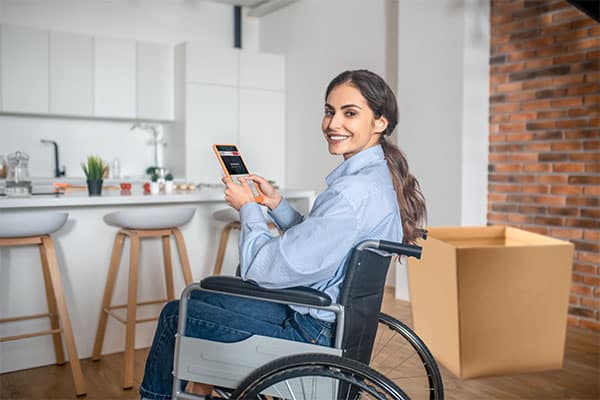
(24, 224)
(226, 215)
(150, 218)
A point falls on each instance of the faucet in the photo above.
(57, 172)
(157, 138)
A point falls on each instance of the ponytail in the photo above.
(411, 201)
(382, 101)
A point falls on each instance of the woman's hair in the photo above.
(382, 101)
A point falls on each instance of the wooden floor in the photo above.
(578, 380)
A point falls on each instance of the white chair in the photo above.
(34, 228)
(138, 224)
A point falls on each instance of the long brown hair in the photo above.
(382, 101)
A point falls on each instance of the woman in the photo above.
(370, 195)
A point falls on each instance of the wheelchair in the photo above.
(375, 356)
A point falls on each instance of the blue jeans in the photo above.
(223, 318)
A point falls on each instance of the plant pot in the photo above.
(94, 187)
(169, 186)
(154, 187)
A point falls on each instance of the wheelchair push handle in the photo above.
(392, 247)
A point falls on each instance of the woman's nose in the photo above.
(335, 121)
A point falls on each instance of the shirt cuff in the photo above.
(251, 213)
(283, 212)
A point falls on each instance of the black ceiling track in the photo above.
(237, 27)
(590, 7)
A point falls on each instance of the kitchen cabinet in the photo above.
(114, 78)
(71, 74)
(211, 65)
(211, 117)
(262, 132)
(154, 77)
(24, 69)
(229, 96)
(262, 71)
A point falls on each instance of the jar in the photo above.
(18, 182)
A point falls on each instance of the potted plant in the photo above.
(94, 170)
(169, 183)
(154, 185)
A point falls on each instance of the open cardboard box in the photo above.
(492, 300)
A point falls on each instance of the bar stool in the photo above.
(135, 225)
(34, 228)
(232, 220)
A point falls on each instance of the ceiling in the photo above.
(258, 8)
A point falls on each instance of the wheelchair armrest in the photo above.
(235, 285)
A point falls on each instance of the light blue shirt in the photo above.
(359, 203)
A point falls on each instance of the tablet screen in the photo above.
(233, 160)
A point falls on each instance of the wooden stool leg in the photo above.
(52, 309)
(183, 257)
(134, 260)
(168, 267)
(223, 246)
(61, 304)
(108, 292)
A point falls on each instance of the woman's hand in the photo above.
(236, 195)
(271, 198)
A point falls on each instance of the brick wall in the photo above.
(544, 160)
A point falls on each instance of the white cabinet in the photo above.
(154, 76)
(229, 96)
(212, 66)
(211, 117)
(262, 71)
(114, 78)
(71, 74)
(24, 70)
(262, 132)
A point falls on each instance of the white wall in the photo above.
(159, 21)
(443, 95)
(320, 39)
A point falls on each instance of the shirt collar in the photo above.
(356, 162)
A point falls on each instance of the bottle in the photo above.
(115, 169)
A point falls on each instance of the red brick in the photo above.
(572, 321)
(582, 223)
(536, 189)
(584, 179)
(508, 168)
(582, 23)
(588, 88)
(520, 55)
(591, 235)
(592, 99)
(590, 303)
(584, 44)
(520, 96)
(571, 123)
(558, 200)
(566, 146)
(587, 324)
(497, 217)
(509, 87)
(538, 125)
(591, 190)
(569, 189)
(568, 102)
(568, 79)
(568, 167)
(568, 14)
(568, 58)
(539, 104)
(552, 179)
(523, 116)
(564, 211)
(581, 289)
(537, 83)
(591, 145)
(552, 114)
(505, 108)
(566, 233)
(517, 218)
(586, 256)
(537, 168)
(590, 213)
(583, 201)
(584, 157)
(595, 167)
(574, 300)
(585, 268)
(595, 30)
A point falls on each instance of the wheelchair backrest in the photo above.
(361, 295)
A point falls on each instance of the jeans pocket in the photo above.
(313, 330)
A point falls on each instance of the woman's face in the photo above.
(349, 125)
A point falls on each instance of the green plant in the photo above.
(95, 169)
(151, 170)
(169, 177)
(154, 178)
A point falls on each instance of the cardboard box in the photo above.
(492, 300)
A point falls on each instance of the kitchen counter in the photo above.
(83, 248)
(81, 198)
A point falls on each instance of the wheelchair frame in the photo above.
(227, 364)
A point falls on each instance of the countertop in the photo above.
(116, 197)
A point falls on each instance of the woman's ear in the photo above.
(381, 124)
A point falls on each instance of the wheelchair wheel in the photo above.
(400, 355)
(319, 377)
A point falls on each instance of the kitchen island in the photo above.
(83, 249)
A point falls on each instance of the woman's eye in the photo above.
(329, 113)
(350, 113)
